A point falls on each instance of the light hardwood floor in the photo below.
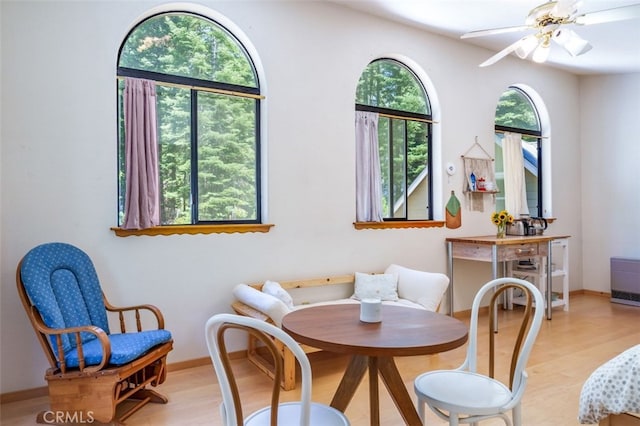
(568, 349)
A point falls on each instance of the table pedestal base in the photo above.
(386, 368)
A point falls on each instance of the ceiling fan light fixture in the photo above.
(571, 41)
(547, 19)
(526, 46)
(562, 36)
(541, 53)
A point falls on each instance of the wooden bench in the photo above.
(416, 289)
(255, 355)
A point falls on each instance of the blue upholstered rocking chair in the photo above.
(91, 370)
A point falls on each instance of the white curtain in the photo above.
(368, 179)
(515, 189)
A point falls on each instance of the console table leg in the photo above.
(450, 272)
(549, 282)
(494, 275)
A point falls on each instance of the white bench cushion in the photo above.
(415, 289)
(400, 302)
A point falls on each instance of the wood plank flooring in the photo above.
(568, 349)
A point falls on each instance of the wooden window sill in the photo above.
(193, 229)
(399, 224)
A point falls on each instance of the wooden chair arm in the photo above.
(59, 353)
(136, 308)
(246, 310)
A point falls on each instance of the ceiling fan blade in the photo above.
(565, 8)
(482, 33)
(504, 52)
(609, 15)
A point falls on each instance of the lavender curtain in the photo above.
(142, 202)
(368, 179)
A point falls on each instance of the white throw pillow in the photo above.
(376, 286)
(275, 289)
(425, 288)
(263, 302)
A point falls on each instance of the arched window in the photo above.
(516, 115)
(392, 91)
(208, 118)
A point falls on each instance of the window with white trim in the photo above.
(517, 113)
(208, 113)
(393, 91)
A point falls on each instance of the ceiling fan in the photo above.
(550, 21)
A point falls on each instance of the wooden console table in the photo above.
(488, 248)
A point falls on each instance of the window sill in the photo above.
(193, 229)
(399, 224)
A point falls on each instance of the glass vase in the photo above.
(502, 230)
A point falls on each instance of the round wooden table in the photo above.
(403, 331)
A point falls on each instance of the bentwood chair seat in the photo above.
(466, 396)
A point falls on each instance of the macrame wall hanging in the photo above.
(480, 177)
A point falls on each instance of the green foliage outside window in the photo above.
(207, 129)
(386, 83)
(188, 46)
(515, 110)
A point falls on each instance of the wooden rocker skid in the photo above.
(95, 396)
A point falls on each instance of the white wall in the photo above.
(59, 160)
(610, 110)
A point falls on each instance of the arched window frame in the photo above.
(436, 211)
(260, 224)
(543, 134)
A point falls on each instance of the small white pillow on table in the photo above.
(425, 288)
(375, 286)
(275, 289)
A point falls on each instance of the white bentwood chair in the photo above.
(303, 413)
(466, 396)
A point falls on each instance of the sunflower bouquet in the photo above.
(501, 220)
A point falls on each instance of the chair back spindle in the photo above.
(524, 324)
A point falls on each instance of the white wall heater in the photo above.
(625, 280)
